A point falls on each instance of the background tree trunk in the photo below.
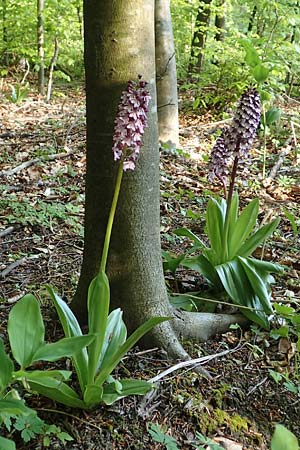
(40, 46)
(220, 20)
(199, 37)
(166, 77)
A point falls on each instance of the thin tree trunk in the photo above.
(4, 31)
(220, 21)
(199, 37)
(40, 46)
(251, 20)
(166, 77)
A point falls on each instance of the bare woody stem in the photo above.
(111, 216)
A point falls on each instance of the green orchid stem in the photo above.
(111, 216)
(229, 200)
(265, 143)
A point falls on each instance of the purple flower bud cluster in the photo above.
(236, 140)
(130, 123)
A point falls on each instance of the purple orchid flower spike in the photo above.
(130, 123)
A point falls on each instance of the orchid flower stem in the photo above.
(111, 216)
(229, 200)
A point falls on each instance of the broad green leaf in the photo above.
(272, 116)
(7, 444)
(71, 328)
(258, 238)
(60, 375)
(14, 407)
(283, 310)
(233, 212)
(189, 234)
(93, 395)
(252, 57)
(63, 348)
(258, 283)
(243, 227)
(25, 330)
(126, 387)
(115, 336)
(6, 368)
(283, 439)
(239, 289)
(204, 266)
(131, 341)
(215, 219)
(98, 308)
(260, 73)
(172, 262)
(56, 390)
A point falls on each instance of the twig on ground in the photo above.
(31, 162)
(192, 362)
(7, 231)
(16, 264)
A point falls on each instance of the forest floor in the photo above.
(42, 165)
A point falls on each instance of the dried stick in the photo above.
(52, 65)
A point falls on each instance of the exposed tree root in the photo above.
(204, 326)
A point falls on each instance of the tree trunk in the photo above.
(113, 55)
(251, 20)
(40, 46)
(4, 32)
(166, 77)
(199, 37)
(220, 21)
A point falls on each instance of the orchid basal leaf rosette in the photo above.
(227, 264)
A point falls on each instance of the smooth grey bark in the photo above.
(40, 45)
(113, 55)
(166, 76)
(200, 33)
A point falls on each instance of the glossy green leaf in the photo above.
(233, 212)
(272, 116)
(115, 336)
(60, 375)
(98, 308)
(215, 219)
(204, 266)
(258, 238)
(131, 341)
(7, 444)
(252, 57)
(25, 330)
(63, 348)
(260, 73)
(258, 284)
(172, 262)
(56, 390)
(283, 439)
(243, 227)
(14, 407)
(93, 395)
(71, 328)
(125, 388)
(239, 289)
(6, 367)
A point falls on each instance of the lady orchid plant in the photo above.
(227, 264)
(96, 355)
